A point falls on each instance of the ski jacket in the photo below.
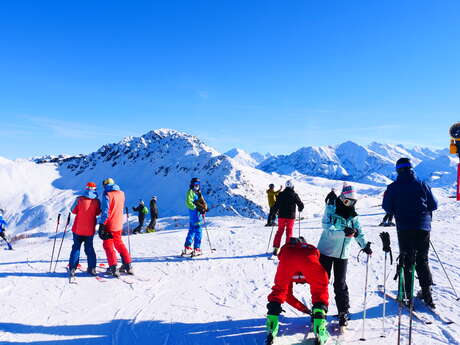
(113, 203)
(411, 202)
(86, 208)
(299, 263)
(153, 209)
(191, 198)
(140, 212)
(3, 224)
(330, 198)
(272, 195)
(286, 203)
(333, 242)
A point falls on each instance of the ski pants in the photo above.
(305, 262)
(116, 243)
(388, 218)
(153, 223)
(89, 251)
(141, 224)
(284, 224)
(271, 216)
(194, 235)
(416, 243)
(2, 235)
(342, 298)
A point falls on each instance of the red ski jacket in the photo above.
(86, 210)
(299, 263)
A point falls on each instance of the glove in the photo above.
(272, 325)
(103, 233)
(367, 249)
(319, 322)
(385, 236)
(349, 232)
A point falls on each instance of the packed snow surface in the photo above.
(218, 298)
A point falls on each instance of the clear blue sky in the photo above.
(260, 75)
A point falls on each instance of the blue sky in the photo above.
(268, 76)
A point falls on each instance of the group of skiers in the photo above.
(408, 199)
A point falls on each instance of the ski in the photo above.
(436, 314)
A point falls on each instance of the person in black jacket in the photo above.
(331, 197)
(140, 209)
(412, 203)
(285, 206)
(153, 214)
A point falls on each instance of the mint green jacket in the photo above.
(333, 242)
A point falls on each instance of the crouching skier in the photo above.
(299, 262)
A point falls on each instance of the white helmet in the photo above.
(289, 184)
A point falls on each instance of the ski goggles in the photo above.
(349, 202)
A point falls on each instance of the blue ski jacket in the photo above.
(411, 201)
(3, 224)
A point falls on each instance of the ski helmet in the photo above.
(108, 181)
(289, 184)
(403, 164)
(271, 185)
(348, 195)
(194, 181)
(90, 186)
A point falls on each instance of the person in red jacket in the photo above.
(110, 227)
(86, 208)
(299, 263)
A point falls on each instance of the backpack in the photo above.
(145, 210)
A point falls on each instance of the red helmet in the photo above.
(91, 186)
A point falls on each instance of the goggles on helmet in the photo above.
(349, 202)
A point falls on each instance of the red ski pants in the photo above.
(283, 224)
(116, 243)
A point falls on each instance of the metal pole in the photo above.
(207, 234)
(299, 223)
(54, 244)
(270, 240)
(384, 295)
(62, 241)
(440, 262)
(129, 230)
(365, 300)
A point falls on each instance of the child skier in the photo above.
(299, 262)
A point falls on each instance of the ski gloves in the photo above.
(319, 322)
(350, 232)
(103, 233)
(274, 310)
(385, 236)
(367, 249)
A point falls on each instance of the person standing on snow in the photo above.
(272, 195)
(110, 227)
(197, 208)
(86, 208)
(153, 214)
(285, 206)
(412, 203)
(3, 225)
(330, 198)
(340, 226)
(141, 210)
(299, 263)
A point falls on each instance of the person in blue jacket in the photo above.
(197, 208)
(412, 203)
(3, 225)
(340, 226)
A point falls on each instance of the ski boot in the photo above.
(187, 251)
(91, 271)
(320, 324)
(71, 273)
(426, 296)
(382, 224)
(276, 251)
(126, 268)
(272, 329)
(391, 224)
(343, 319)
(112, 270)
(196, 252)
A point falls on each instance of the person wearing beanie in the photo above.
(330, 198)
(285, 206)
(272, 194)
(197, 208)
(111, 226)
(141, 210)
(412, 204)
(85, 208)
(153, 215)
(340, 226)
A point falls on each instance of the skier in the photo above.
(141, 210)
(330, 198)
(272, 195)
(86, 207)
(153, 214)
(299, 262)
(285, 206)
(412, 203)
(197, 209)
(340, 226)
(3, 225)
(387, 220)
(110, 227)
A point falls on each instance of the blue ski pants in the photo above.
(194, 235)
(89, 251)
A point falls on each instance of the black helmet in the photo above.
(403, 164)
(194, 181)
(271, 185)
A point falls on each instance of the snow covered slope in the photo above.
(216, 299)
(249, 159)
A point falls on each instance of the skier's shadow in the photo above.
(35, 274)
(205, 257)
(127, 332)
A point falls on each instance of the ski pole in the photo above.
(365, 299)
(440, 262)
(129, 230)
(207, 234)
(411, 298)
(62, 241)
(299, 223)
(384, 295)
(270, 240)
(54, 244)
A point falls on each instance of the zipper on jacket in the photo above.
(343, 246)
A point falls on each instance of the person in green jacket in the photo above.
(340, 226)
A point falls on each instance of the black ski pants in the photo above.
(388, 218)
(153, 222)
(271, 216)
(141, 223)
(416, 242)
(342, 298)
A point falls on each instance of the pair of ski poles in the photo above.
(62, 240)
